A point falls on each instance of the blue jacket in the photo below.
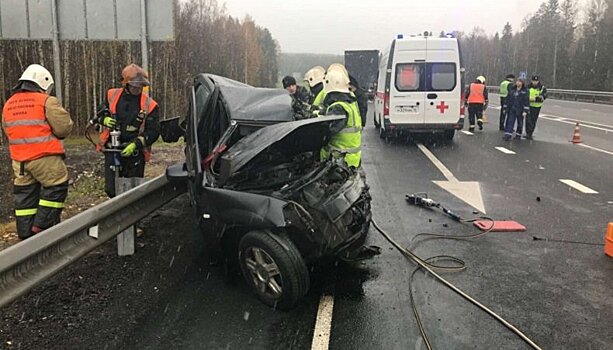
(518, 101)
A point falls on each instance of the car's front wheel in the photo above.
(273, 268)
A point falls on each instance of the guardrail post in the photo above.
(125, 240)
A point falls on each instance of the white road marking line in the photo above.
(582, 124)
(596, 148)
(437, 163)
(468, 132)
(579, 187)
(504, 150)
(323, 323)
(467, 191)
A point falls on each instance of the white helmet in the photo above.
(38, 75)
(481, 79)
(315, 75)
(336, 81)
(338, 66)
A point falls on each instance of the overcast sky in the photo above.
(327, 26)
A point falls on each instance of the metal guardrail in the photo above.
(31, 262)
(573, 95)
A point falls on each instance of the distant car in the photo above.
(260, 193)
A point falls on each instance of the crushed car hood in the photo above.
(290, 138)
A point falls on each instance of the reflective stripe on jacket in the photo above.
(476, 94)
(147, 104)
(533, 94)
(349, 139)
(319, 101)
(30, 135)
(504, 88)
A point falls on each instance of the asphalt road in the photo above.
(558, 294)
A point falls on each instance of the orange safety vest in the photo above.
(476, 93)
(147, 104)
(30, 135)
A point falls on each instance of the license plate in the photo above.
(406, 109)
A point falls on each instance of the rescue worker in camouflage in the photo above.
(340, 101)
(34, 123)
(135, 114)
(538, 95)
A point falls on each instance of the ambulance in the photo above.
(419, 87)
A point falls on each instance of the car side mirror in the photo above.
(177, 173)
(171, 130)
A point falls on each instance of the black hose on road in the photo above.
(429, 266)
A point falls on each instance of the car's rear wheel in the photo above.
(273, 268)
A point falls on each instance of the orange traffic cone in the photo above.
(577, 135)
(608, 240)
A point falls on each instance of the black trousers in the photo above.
(503, 113)
(133, 166)
(474, 110)
(48, 201)
(533, 116)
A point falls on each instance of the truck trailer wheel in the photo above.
(448, 134)
(273, 268)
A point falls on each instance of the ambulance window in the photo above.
(409, 76)
(442, 76)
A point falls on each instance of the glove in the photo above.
(109, 122)
(129, 150)
(539, 99)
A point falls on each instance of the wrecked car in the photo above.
(261, 194)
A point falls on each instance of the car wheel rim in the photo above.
(264, 272)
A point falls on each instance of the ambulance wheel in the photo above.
(273, 268)
(383, 133)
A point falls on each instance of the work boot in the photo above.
(471, 128)
(507, 137)
(528, 137)
(480, 123)
(517, 137)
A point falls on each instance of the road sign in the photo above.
(86, 19)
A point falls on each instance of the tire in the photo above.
(382, 132)
(279, 286)
(448, 134)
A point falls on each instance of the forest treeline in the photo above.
(570, 47)
(206, 40)
(296, 64)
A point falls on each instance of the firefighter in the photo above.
(34, 123)
(538, 94)
(347, 141)
(504, 91)
(315, 79)
(476, 99)
(518, 105)
(135, 114)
